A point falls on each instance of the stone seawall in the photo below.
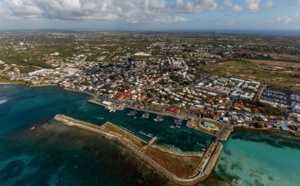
(204, 169)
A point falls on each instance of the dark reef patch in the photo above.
(278, 140)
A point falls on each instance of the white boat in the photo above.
(112, 110)
(145, 115)
(99, 117)
(158, 118)
(132, 113)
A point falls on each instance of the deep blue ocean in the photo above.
(35, 150)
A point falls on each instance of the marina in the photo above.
(145, 151)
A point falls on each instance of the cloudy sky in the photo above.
(149, 14)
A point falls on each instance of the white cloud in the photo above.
(256, 6)
(237, 8)
(129, 10)
(172, 19)
(156, 4)
(288, 19)
(227, 3)
(19, 8)
(234, 7)
(269, 4)
(253, 5)
(197, 6)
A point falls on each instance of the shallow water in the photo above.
(260, 158)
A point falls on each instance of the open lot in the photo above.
(280, 64)
(253, 70)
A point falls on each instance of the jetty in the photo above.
(150, 143)
(148, 135)
(140, 148)
(225, 132)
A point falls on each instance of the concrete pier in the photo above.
(225, 133)
(150, 142)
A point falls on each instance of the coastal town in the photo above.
(164, 76)
(212, 83)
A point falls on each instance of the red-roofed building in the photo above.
(177, 111)
(171, 109)
(120, 95)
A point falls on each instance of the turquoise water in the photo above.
(260, 158)
(53, 154)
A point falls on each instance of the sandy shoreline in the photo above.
(11, 83)
(43, 85)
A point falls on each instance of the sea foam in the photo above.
(3, 100)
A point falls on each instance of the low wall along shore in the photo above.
(204, 168)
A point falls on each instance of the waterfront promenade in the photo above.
(203, 170)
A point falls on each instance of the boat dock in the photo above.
(147, 135)
(150, 143)
(177, 122)
(132, 113)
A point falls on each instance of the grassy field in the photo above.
(3, 80)
(280, 64)
(253, 70)
(284, 56)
